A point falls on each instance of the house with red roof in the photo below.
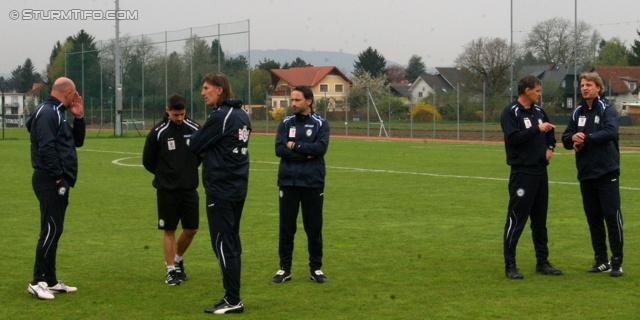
(621, 84)
(328, 83)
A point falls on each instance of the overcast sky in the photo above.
(398, 29)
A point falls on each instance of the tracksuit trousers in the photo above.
(311, 201)
(53, 199)
(529, 198)
(224, 228)
(601, 201)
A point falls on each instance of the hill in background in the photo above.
(344, 61)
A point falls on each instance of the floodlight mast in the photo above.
(118, 86)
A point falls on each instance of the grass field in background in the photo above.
(413, 230)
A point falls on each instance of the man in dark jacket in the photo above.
(55, 163)
(593, 134)
(529, 142)
(301, 143)
(167, 155)
(223, 142)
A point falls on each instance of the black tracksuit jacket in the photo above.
(600, 154)
(311, 136)
(526, 148)
(166, 154)
(224, 139)
(54, 141)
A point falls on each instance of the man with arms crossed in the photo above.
(301, 143)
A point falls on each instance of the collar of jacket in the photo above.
(54, 101)
(232, 103)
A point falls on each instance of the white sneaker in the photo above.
(41, 291)
(60, 287)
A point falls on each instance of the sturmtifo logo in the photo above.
(161, 223)
(309, 132)
(520, 192)
(62, 191)
(281, 193)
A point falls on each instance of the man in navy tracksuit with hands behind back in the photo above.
(529, 142)
(223, 141)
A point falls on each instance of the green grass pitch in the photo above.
(412, 230)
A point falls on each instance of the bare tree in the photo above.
(486, 60)
(395, 73)
(552, 41)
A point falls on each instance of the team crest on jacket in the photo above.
(309, 132)
(62, 191)
(520, 192)
(243, 134)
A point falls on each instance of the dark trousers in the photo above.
(601, 201)
(224, 227)
(53, 199)
(529, 197)
(311, 201)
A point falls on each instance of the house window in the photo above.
(324, 88)
(420, 94)
(283, 103)
(339, 104)
(569, 103)
(339, 88)
(633, 86)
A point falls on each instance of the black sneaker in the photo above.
(172, 278)
(222, 307)
(512, 272)
(616, 267)
(318, 277)
(180, 270)
(548, 270)
(281, 276)
(600, 267)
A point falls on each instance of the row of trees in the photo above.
(486, 65)
(147, 68)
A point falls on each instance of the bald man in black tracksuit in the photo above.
(55, 170)
(529, 142)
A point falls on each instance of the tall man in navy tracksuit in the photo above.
(593, 134)
(223, 142)
(529, 142)
(55, 164)
(301, 143)
(166, 154)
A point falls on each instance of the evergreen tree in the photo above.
(415, 68)
(23, 77)
(267, 65)
(372, 62)
(634, 54)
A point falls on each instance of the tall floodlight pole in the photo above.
(575, 54)
(118, 121)
(511, 62)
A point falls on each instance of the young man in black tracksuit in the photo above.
(223, 142)
(301, 143)
(593, 134)
(529, 142)
(166, 154)
(55, 170)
